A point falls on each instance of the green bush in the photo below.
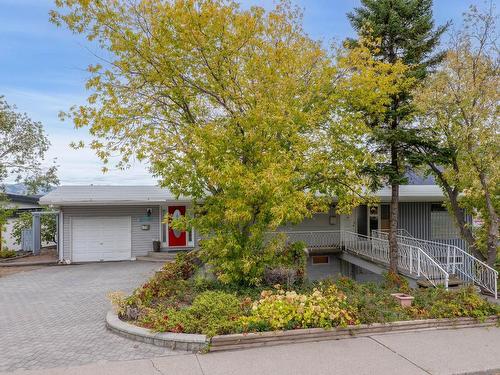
(211, 313)
(464, 302)
(6, 253)
(373, 302)
(288, 265)
(169, 287)
(288, 310)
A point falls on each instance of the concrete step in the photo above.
(151, 259)
(452, 282)
(162, 255)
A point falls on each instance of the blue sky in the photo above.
(43, 72)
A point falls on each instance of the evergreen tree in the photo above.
(406, 33)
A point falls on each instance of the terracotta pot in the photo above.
(403, 299)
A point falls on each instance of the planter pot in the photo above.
(156, 246)
(403, 299)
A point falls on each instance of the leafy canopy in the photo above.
(458, 117)
(23, 145)
(237, 109)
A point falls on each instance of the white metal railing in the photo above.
(315, 240)
(412, 259)
(453, 259)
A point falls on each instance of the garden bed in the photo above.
(197, 343)
(180, 300)
(9, 255)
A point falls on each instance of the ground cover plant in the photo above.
(6, 253)
(183, 297)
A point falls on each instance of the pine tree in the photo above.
(406, 32)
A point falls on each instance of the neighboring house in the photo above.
(19, 203)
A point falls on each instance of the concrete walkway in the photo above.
(468, 350)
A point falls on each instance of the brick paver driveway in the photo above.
(54, 317)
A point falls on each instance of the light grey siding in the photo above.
(323, 271)
(141, 239)
(318, 221)
(415, 217)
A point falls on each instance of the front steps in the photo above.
(159, 257)
(453, 282)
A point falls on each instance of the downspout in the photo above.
(60, 236)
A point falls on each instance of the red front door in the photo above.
(176, 237)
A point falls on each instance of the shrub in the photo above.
(169, 287)
(6, 253)
(393, 281)
(289, 310)
(287, 266)
(465, 302)
(280, 275)
(211, 313)
(373, 302)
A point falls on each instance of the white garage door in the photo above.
(101, 238)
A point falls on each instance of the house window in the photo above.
(385, 216)
(442, 225)
(320, 259)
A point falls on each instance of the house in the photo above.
(101, 223)
(18, 203)
(110, 223)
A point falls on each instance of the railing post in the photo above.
(448, 258)
(418, 263)
(411, 259)
(454, 259)
(446, 282)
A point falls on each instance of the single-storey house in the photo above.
(109, 223)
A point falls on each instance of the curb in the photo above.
(13, 259)
(175, 341)
(27, 264)
(196, 343)
(259, 339)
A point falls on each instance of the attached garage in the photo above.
(111, 223)
(101, 238)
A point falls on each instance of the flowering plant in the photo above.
(279, 309)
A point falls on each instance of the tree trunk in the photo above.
(393, 218)
(492, 240)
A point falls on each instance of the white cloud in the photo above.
(75, 166)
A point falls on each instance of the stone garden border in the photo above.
(259, 339)
(176, 341)
(195, 343)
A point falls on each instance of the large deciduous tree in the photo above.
(458, 119)
(23, 145)
(227, 106)
(407, 34)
